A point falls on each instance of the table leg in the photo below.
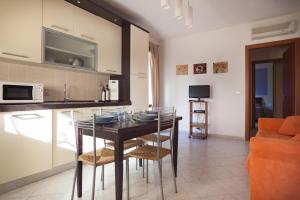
(140, 160)
(79, 171)
(175, 147)
(119, 151)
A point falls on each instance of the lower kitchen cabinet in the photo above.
(25, 144)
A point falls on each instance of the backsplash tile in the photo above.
(81, 85)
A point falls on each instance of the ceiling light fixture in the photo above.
(178, 9)
(181, 7)
(165, 4)
(189, 15)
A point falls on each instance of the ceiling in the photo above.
(208, 14)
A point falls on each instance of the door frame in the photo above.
(249, 82)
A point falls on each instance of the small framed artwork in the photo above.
(182, 69)
(220, 67)
(200, 68)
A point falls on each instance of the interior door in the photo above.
(288, 82)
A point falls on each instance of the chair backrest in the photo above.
(166, 120)
(84, 122)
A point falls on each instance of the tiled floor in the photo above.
(213, 169)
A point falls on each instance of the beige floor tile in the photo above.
(212, 169)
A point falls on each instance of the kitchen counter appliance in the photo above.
(14, 92)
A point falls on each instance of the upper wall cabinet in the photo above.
(139, 48)
(64, 17)
(109, 47)
(84, 24)
(21, 29)
(58, 15)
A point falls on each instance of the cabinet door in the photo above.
(58, 15)
(84, 24)
(139, 51)
(109, 47)
(21, 29)
(139, 91)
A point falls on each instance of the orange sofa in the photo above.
(274, 160)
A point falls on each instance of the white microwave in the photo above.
(12, 92)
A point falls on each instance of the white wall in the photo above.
(227, 105)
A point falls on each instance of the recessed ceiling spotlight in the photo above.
(115, 19)
(78, 1)
(165, 4)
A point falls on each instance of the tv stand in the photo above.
(201, 114)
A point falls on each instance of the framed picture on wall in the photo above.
(220, 67)
(182, 69)
(200, 68)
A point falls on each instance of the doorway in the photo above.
(272, 79)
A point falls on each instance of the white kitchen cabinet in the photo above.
(109, 47)
(25, 145)
(64, 17)
(58, 15)
(139, 92)
(84, 24)
(21, 30)
(139, 41)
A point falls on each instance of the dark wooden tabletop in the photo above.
(125, 130)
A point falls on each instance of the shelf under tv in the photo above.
(201, 126)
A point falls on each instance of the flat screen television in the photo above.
(199, 91)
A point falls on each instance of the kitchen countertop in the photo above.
(49, 105)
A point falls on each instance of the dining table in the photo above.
(118, 133)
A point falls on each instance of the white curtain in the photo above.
(154, 73)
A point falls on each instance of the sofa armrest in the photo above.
(269, 124)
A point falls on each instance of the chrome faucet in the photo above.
(66, 98)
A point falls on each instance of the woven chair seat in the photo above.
(153, 138)
(103, 156)
(128, 144)
(148, 152)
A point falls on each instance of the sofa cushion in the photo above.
(272, 134)
(290, 126)
(297, 137)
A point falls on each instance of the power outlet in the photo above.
(46, 93)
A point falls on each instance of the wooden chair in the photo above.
(95, 158)
(166, 119)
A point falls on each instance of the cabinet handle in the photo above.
(60, 27)
(13, 54)
(109, 70)
(88, 37)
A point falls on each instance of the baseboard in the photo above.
(12, 185)
(226, 136)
